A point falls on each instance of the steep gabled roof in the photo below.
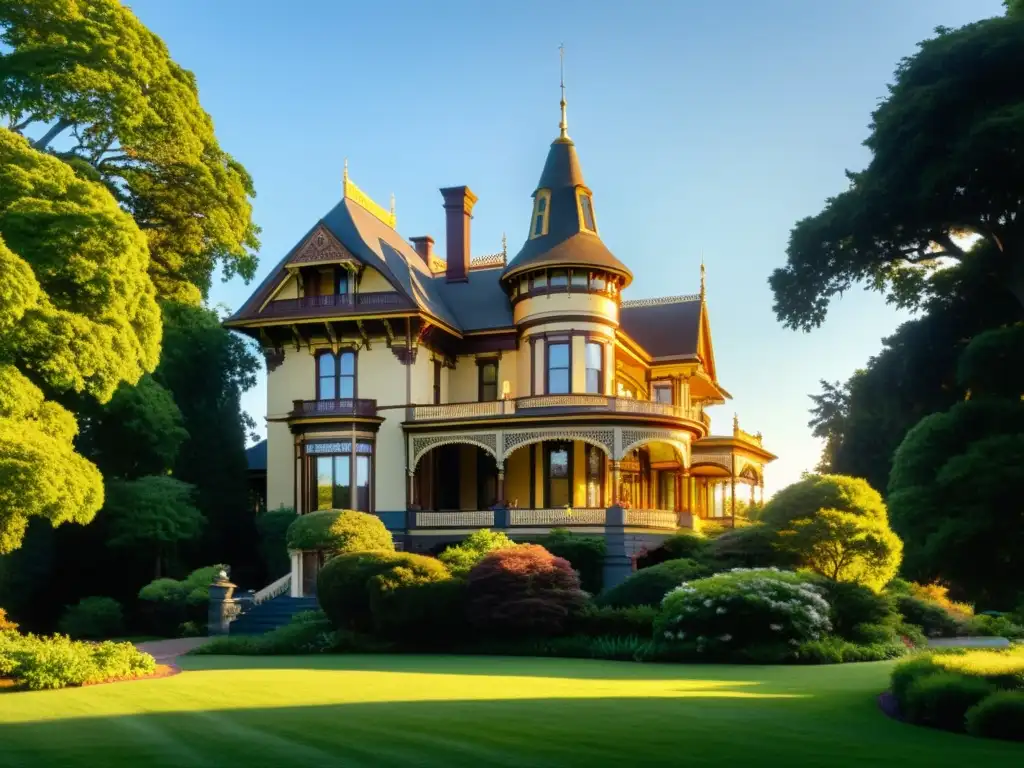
(666, 328)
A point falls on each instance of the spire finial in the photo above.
(504, 246)
(392, 205)
(344, 180)
(703, 278)
(735, 422)
(563, 126)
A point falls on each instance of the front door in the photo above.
(311, 562)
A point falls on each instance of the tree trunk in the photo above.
(44, 141)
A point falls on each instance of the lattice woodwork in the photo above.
(421, 444)
(602, 438)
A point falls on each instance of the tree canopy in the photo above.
(78, 315)
(89, 82)
(947, 148)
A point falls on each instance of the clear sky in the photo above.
(701, 126)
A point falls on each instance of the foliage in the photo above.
(932, 618)
(77, 315)
(137, 128)
(905, 211)
(610, 621)
(688, 544)
(998, 716)
(736, 611)
(947, 498)
(6, 625)
(836, 650)
(803, 499)
(844, 546)
(93, 618)
(38, 663)
(857, 612)
(168, 603)
(994, 626)
(306, 635)
(584, 553)
(461, 557)
(347, 584)
(933, 593)
(864, 420)
(523, 591)
(754, 546)
(339, 531)
(272, 527)
(650, 585)
(992, 364)
(423, 615)
(942, 699)
(152, 514)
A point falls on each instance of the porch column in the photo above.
(413, 493)
(500, 491)
(684, 491)
(616, 480)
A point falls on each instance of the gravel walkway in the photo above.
(168, 651)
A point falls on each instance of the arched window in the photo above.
(336, 375)
(541, 211)
(586, 203)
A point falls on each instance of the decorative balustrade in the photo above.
(272, 590)
(480, 519)
(558, 517)
(567, 402)
(346, 302)
(340, 407)
(652, 518)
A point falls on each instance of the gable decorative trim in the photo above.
(421, 445)
(322, 247)
(601, 438)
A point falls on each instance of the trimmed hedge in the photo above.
(933, 619)
(751, 547)
(348, 584)
(608, 621)
(941, 699)
(93, 618)
(339, 531)
(999, 716)
(858, 613)
(39, 663)
(522, 592)
(584, 553)
(168, 604)
(689, 544)
(650, 585)
(430, 615)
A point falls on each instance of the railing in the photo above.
(272, 590)
(462, 410)
(652, 518)
(560, 516)
(480, 519)
(346, 302)
(340, 407)
(581, 402)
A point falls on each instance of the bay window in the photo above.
(559, 368)
(595, 367)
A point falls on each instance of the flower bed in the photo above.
(36, 663)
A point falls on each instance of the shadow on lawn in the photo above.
(667, 730)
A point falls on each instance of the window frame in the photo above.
(552, 446)
(337, 376)
(567, 343)
(661, 386)
(602, 473)
(587, 369)
(490, 362)
(342, 275)
(361, 451)
(542, 212)
(582, 193)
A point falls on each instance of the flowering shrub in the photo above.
(741, 609)
(36, 663)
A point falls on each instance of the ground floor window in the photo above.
(342, 475)
(666, 490)
(595, 476)
(558, 475)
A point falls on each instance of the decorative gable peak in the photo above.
(322, 247)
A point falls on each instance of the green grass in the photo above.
(358, 711)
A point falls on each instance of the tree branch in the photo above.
(55, 130)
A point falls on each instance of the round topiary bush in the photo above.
(805, 497)
(523, 592)
(348, 584)
(941, 699)
(339, 531)
(999, 716)
(743, 614)
(93, 618)
(649, 586)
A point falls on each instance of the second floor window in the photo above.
(487, 381)
(595, 367)
(340, 281)
(559, 368)
(336, 376)
(663, 393)
(539, 225)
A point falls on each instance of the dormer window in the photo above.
(587, 221)
(541, 209)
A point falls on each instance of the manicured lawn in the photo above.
(461, 711)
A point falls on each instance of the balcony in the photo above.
(343, 407)
(538, 405)
(561, 517)
(347, 303)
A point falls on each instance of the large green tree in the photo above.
(77, 314)
(953, 488)
(87, 81)
(864, 419)
(947, 148)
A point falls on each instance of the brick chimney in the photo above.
(458, 205)
(424, 246)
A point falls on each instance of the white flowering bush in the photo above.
(738, 612)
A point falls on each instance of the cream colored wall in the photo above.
(293, 379)
(373, 281)
(508, 369)
(517, 478)
(463, 380)
(280, 466)
(290, 289)
(579, 372)
(382, 377)
(556, 304)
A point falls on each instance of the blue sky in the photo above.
(701, 126)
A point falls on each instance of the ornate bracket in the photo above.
(362, 332)
(273, 356)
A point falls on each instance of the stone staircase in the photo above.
(271, 614)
